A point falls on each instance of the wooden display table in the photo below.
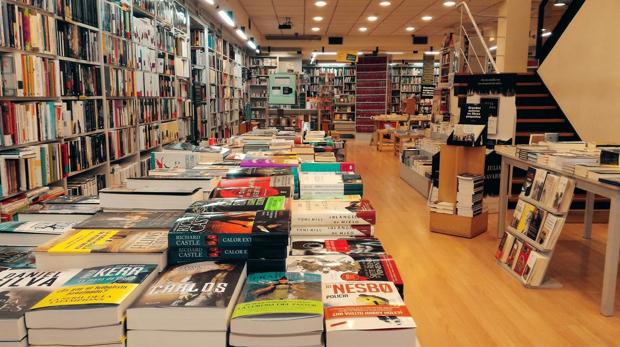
(402, 138)
(612, 252)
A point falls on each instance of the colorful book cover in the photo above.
(351, 246)
(367, 305)
(21, 289)
(327, 167)
(53, 228)
(280, 293)
(526, 217)
(332, 212)
(269, 162)
(258, 172)
(272, 203)
(179, 255)
(131, 220)
(261, 182)
(201, 284)
(344, 230)
(101, 285)
(342, 267)
(16, 257)
(250, 192)
(108, 241)
(74, 199)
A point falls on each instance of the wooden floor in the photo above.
(456, 292)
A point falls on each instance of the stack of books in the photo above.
(329, 185)
(469, 195)
(354, 217)
(188, 305)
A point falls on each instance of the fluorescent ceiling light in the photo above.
(226, 18)
(432, 52)
(323, 53)
(252, 44)
(492, 48)
(362, 29)
(360, 53)
(372, 18)
(410, 28)
(449, 3)
(320, 3)
(559, 3)
(543, 29)
(317, 18)
(211, 2)
(427, 18)
(331, 64)
(316, 29)
(385, 3)
(257, 51)
(241, 34)
(394, 53)
(548, 33)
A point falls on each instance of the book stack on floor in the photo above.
(278, 309)
(189, 305)
(88, 309)
(527, 244)
(469, 195)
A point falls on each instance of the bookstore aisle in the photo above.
(454, 288)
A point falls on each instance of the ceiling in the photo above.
(345, 17)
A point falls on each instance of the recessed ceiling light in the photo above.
(372, 18)
(316, 29)
(449, 3)
(317, 18)
(320, 3)
(492, 48)
(362, 29)
(432, 52)
(491, 39)
(410, 28)
(548, 33)
(559, 3)
(385, 3)
(427, 18)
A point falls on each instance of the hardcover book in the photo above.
(191, 297)
(366, 230)
(332, 212)
(131, 220)
(269, 162)
(272, 203)
(96, 296)
(258, 172)
(260, 182)
(278, 303)
(20, 290)
(250, 192)
(31, 233)
(95, 247)
(350, 246)
(368, 311)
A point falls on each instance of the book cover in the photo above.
(65, 209)
(131, 220)
(260, 182)
(529, 180)
(258, 172)
(350, 246)
(366, 230)
(272, 203)
(101, 286)
(547, 196)
(16, 257)
(74, 199)
(522, 258)
(108, 241)
(342, 267)
(332, 212)
(22, 289)
(538, 184)
(535, 220)
(250, 192)
(269, 162)
(280, 293)
(526, 217)
(52, 228)
(201, 284)
(366, 305)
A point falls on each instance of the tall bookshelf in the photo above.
(100, 84)
(406, 82)
(200, 97)
(260, 69)
(371, 90)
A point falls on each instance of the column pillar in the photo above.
(513, 31)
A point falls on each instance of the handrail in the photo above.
(464, 5)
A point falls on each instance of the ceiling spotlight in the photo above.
(362, 29)
(226, 18)
(427, 18)
(449, 3)
(385, 3)
(559, 3)
(491, 39)
(320, 3)
(316, 29)
(410, 28)
(547, 34)
(372, 18)
(317, 18)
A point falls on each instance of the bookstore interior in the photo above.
(301, 173)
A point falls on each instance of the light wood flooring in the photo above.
(456, 292)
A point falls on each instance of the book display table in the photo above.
(612, 252)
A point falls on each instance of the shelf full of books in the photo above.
(406, 82)
(528, 242)
(260, 69)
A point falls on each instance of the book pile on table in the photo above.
(329, 185)
(469, 195)
(347, 217)
(61, 210)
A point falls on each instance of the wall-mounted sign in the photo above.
(346, 57)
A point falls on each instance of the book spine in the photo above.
(208, 239)
(337, 230)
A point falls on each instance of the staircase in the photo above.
(538, 112)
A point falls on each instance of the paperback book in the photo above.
(332, 212)
(31, 233)
(16, 257)
(272, 203)
(328, 246)
(131, 220)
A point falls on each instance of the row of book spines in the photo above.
(182, 239)
(191, 255)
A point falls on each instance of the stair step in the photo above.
(528, 84)
(527, 134)
(537, 107)
(541, 120)
(533, 95)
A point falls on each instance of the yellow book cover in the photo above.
(526, 216)
(108, 241)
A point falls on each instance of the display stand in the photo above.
(456, 160)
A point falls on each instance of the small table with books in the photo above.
(592, 187)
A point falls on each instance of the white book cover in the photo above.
(366, 305)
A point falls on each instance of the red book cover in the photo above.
(522, 259)
(260, 182)
(250, 192)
